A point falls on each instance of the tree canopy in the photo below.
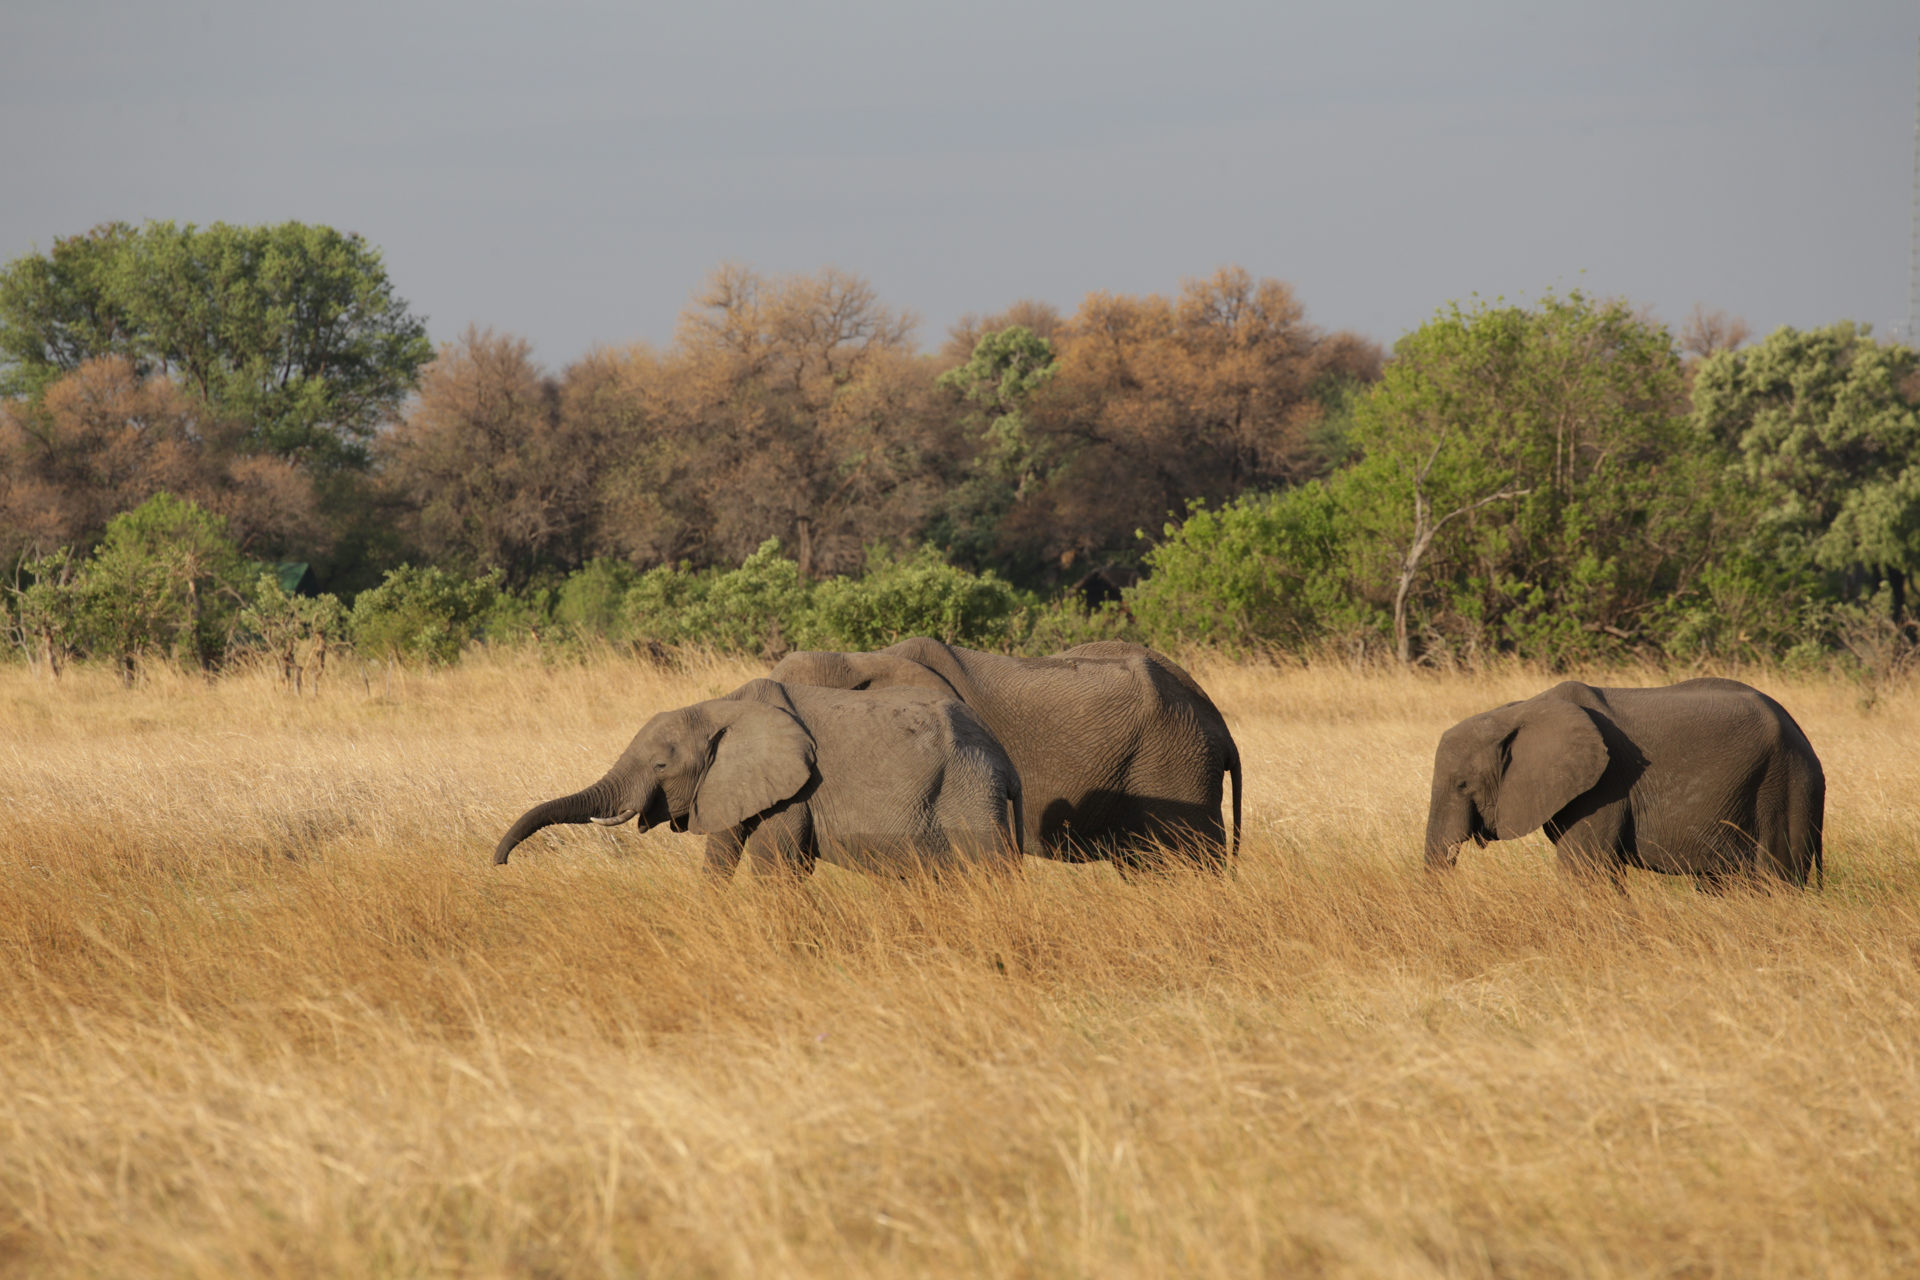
(292, 330)
(1523, 476)
(1822, 425)
(1563, 479)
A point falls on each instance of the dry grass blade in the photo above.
(271, 1011)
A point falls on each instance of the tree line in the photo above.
(1566, 480)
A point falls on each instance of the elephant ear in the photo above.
(761, 756)
(1556, 755)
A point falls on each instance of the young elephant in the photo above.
(1706, 778)
(892, 780)
(1120, 750)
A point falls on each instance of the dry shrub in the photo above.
(271, 1011)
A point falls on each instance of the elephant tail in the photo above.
(1233, 767)
(580, 807)
(1807, 826)
(1818, 837)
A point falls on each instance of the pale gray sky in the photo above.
(570, 171)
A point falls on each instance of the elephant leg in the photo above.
(783, 840)
(1204, 845)
(1581, 860)
(723, 851)
(1596, 845)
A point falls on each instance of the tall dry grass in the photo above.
(270, 1011)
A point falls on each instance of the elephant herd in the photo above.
(926, 755)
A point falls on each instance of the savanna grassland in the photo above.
(270, 1011)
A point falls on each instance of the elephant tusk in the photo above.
(625, 815)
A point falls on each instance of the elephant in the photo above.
(1120, 751)
(894, 780)
(1709, 778)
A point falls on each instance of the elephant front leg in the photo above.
(783, 840)
(723, 851)
(1597, 847)
(1584, 862)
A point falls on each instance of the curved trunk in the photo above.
(582, 806)
(1450, 824)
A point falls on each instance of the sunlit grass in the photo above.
(271, 1011)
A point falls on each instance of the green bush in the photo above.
(294, 632)
(166, 579)
(751, 609)
(916, 595)
(764, 607)
(1260, 573)
(43, 615)
(592, 599)
(424, 615)
(1064, 622)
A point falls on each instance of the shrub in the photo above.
(592, 599)
(295, 632)
(43, 615)
(424, 615)
(1260, 572)
(165, 579)
(1064, 622)
(746, 610)
(916, 595)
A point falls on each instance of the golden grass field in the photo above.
(270, 1011)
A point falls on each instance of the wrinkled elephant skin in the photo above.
(1708, 778)
(1119, 750)
(888, 781)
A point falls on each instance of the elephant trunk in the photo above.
(597, 801)
(1450, 824)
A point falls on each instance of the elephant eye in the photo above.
(659, 766)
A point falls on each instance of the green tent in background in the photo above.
(296, 577)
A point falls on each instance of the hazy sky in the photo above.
(571, 171)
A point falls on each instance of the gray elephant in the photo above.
(1708, 778)
(904, 779)
(1119, 750)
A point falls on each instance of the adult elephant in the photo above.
(1120, 751)
(895, 780)
(1708, 778)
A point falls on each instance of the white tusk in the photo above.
(625, 815)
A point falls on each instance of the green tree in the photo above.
(296, 632)
(422, 615)
(166, 578)
(1007, 367)
(292, 329)
(1820, 427)
(916, 595)
(1261, 572)
(61, 309)
(1526, 480)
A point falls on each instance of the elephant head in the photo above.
(1505, 772)
(704, 768)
